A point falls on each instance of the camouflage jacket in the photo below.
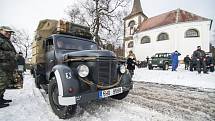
(7, 55)
(199, 54)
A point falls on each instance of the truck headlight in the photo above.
(122, 69)
(83, 70)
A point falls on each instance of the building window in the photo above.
(192, 33)
(131, 23)
(130, 44)
(145, 39)
(163, 36)
(131, 27)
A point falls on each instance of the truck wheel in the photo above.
(166, 66)
(212, 69)
(120, 96)
(37, 81)
(63, 112)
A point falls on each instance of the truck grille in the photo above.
(106, 72)
(102, 71)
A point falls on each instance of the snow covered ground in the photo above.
(147, 101)
(180, 77)
(29, 105)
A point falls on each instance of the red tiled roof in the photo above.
(175, 16)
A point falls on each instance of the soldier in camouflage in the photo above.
(7, 62)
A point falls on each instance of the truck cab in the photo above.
(75, 71)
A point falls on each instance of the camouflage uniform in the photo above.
(7, 62)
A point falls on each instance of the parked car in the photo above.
(161, 60)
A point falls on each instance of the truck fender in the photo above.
(126, 81)
(68, 84)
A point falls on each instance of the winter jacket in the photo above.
(7, 54)
(131, 64)
(199, 54)
(20, 60)
(187, 60)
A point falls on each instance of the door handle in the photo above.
(51, 61)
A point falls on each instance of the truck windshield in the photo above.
(68, 43)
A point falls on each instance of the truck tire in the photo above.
(166, 66)
(37, 81)
(212, 69)
(120, 96)
(63, 112)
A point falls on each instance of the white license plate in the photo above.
(110, 92)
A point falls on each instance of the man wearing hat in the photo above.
(7, 62)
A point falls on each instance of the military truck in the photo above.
(69, 66)
(161, 60)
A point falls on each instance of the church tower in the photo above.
(131, 22)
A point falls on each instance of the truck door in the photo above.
(50, 58)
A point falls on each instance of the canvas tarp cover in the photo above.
(45, 29)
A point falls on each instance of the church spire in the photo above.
(136, 10)
(136, 7)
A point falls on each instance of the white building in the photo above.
(175, 30)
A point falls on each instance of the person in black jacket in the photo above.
(21, 68)
(131, 62)
(20, 62)
(210, 62)
(186, 62)
(200, 57)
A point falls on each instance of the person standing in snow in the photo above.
(131, 62)
(147, 60)
(21, 68)
(186, 62)
(199, 56)
(21, 61)
(7, 62)
(174, 57)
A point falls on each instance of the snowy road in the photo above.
(146, 102)
(186, 103)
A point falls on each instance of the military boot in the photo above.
(2, 105)
(2, 100)
(5, 101)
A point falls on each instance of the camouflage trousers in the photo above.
(5, 79)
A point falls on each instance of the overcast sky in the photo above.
(25, 14)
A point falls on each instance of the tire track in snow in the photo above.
(178, 101)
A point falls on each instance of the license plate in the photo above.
(110, 92)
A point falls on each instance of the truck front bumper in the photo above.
(82, 98)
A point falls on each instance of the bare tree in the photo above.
(22, 42)
(104, 17)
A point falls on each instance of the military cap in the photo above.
(6, 28)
